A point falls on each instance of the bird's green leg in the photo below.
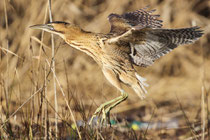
(105, 111)
(101, 108)
(123, 96)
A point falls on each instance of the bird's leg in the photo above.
(124, 96)
(101, 108)
(106, 110)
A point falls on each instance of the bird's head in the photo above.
(58, 27)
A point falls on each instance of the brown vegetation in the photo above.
(177, 80)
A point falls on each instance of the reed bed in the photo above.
(33, 72)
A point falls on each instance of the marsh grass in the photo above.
(46, 87)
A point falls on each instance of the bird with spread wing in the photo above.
(135, 38)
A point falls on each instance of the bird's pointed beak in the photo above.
(46, 27)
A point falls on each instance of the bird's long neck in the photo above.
(84, 41)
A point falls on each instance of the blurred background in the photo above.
(176, 80)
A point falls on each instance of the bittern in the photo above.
(136, 38)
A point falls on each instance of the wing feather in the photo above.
(148, 41)
(159, 42)
(143, 19)
(138, 19)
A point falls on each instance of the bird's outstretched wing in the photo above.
(138, 19)
(146, 39)
(158, 42)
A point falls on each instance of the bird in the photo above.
(135, 39)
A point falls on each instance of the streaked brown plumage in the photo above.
(135, 38)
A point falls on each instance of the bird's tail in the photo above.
(179, 36)
(139, 88)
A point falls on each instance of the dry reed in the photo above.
(28, 107)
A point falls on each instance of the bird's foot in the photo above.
(105, 116)
(105, 108)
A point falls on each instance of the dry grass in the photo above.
(179, 82)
